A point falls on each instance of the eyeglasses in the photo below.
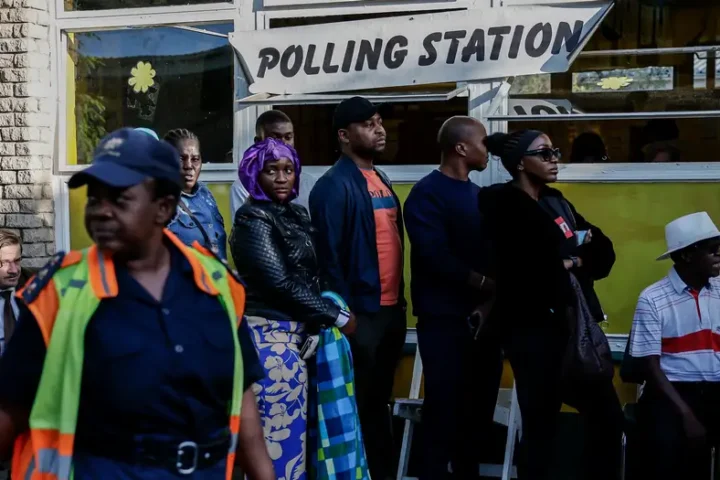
(545, 153)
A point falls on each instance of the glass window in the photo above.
(158, 78)
(658, 24)
(632, 141)
(631, 82)
(411, 131)
(108, 4)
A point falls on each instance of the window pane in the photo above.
(159, 78)
(107, 4)
(658, 24)
(411, 131)
(637, 83)
(632, 141)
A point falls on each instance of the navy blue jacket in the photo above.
(342, 213)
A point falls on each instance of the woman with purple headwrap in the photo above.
(273, 249)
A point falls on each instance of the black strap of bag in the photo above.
(206, 237)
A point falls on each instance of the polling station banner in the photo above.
(418, 49)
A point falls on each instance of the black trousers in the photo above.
(668, 453)
(462, 377)
(377, 347)
(535, 355)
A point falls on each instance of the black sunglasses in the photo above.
(546, 153)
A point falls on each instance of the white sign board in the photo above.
(521, 107)
(416, 50)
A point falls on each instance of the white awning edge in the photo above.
(334, 98)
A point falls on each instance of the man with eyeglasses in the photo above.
(675, 340)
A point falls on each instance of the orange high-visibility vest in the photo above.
(63, 297)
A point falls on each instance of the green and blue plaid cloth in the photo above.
(335, 441)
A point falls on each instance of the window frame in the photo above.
(397, 173)
(61, 37)
(81, 17)
(619, 172)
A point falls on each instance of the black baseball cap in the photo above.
(128, 157)
(353, 110)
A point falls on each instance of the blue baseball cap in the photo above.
(128, 157)
(149, 132)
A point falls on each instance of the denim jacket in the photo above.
(203, 206)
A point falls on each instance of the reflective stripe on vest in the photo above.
(63, 310)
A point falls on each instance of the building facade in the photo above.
(646, 84)
(27, 125)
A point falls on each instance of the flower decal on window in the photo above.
(142, 77)
(614, 83)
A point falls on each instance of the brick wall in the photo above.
(26, 126)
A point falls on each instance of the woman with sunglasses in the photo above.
(537, 237)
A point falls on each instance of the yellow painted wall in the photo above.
(79, 238)
(633, 215)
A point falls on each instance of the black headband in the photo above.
(515, 154)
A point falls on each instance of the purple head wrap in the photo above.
(254, 160)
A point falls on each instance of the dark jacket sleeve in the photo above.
(427, 232)
(527, 263)
(328, 201)
(22, 363)
(598, 256)
(256, 252)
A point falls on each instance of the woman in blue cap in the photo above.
(131, 359)
(198, 217)
(274, 253)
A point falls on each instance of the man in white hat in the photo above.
(675, 337)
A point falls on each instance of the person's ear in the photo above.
(461, 149)
(167, 209)
(521, 166)
(343, 136)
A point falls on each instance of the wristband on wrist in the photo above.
(342, 319)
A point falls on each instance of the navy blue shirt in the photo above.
(150, 368)
(443, 224)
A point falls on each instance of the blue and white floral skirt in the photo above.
(282, 396)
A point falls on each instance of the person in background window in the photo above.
(273, 249)
(198, 218)
(674, 336)
(447, 258)
(273, 124)
(589, 147)
(359, 226)
(537, 237)
(662, 152)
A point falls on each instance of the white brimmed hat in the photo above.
(688, 230)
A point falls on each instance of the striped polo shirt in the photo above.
(680, 325)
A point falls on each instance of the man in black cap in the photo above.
(149, 367)
(360, 247)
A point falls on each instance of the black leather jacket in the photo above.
(273, 249)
